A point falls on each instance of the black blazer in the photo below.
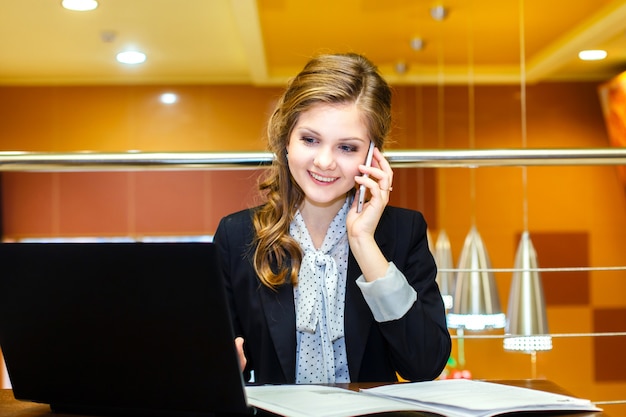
(417, 346)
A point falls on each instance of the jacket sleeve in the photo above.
(419, 342)
(390, 296)
(230, 242)
(228, 256)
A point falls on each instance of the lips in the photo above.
(320, 178)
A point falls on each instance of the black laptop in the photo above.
(119, 328)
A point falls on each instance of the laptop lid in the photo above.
(136, 328)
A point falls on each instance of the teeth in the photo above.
(323, 179)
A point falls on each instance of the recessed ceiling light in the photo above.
(401, 67)
(169, 98)
(80, 5)
(592, 55)
(417, 43)
(439, 12)
(131, 57)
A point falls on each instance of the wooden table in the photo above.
(10, 407)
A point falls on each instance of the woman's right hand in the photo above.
(241, 356)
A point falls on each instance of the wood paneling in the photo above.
(562, 250)
(610, 365)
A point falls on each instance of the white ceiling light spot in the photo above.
(169, 98)
(592, 55)
(401, 67)
(439, 12)
(131, 57)
(417, 43)
(80, 5)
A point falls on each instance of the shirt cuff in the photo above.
(389, 297)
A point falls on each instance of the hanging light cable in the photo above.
(443, 251)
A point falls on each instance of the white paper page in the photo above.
(318, 400)
(485, 398)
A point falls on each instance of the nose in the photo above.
(324, 159)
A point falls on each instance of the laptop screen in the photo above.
(131, 327)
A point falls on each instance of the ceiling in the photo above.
(264, 42)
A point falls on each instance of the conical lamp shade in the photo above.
(526, 318)
(443, 259)
(476, 300)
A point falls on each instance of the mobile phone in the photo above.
(368, 163)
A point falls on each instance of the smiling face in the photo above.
(325, 148)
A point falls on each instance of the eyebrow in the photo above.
(308, 129)
(349, 138)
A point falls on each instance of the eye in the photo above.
(308, 140)
(348, 148)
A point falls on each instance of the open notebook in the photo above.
(119, 328)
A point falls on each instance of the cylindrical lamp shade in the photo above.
(476, 300)
(443, 259)
(527, 323)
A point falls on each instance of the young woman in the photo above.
(320, 292)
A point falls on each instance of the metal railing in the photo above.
(103, 161)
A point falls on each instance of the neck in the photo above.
(318, 218)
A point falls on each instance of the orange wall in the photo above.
(587, 201)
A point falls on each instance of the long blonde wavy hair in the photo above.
(332, 79)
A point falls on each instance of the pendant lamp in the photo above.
(526, 326)
(443, 259)
(476, 300)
